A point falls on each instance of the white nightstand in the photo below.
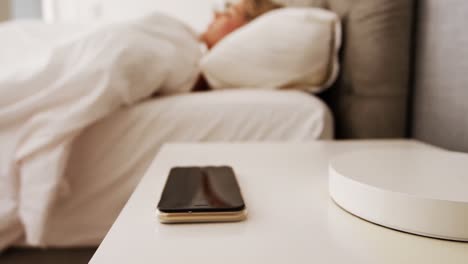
(291, 216)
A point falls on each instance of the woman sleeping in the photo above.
(54, 83)
(228, 19)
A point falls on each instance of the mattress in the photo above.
(109, 158)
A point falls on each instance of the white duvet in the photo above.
(55, 81)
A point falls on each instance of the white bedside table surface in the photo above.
(291, 216)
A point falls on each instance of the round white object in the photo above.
(417, 190)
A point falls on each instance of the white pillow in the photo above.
(285, 48)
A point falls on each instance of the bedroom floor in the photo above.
(49, 256)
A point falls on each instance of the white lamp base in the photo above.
(420, 190)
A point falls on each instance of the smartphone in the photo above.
(201, 194)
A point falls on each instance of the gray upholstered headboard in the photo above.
(369, 100)
(440, 99)
(381, 76)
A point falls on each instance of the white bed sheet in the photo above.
(51, 92)
(109, 158)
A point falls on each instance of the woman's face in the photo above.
(232, 18)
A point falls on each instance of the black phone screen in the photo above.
(201, 189)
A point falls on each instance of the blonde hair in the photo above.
(255, 8)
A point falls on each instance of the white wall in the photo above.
(20, 9)
(25, 8)
(197, 13)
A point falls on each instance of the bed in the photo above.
(85, 110)
(125, 142)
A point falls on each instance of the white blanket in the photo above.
(56, 81)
